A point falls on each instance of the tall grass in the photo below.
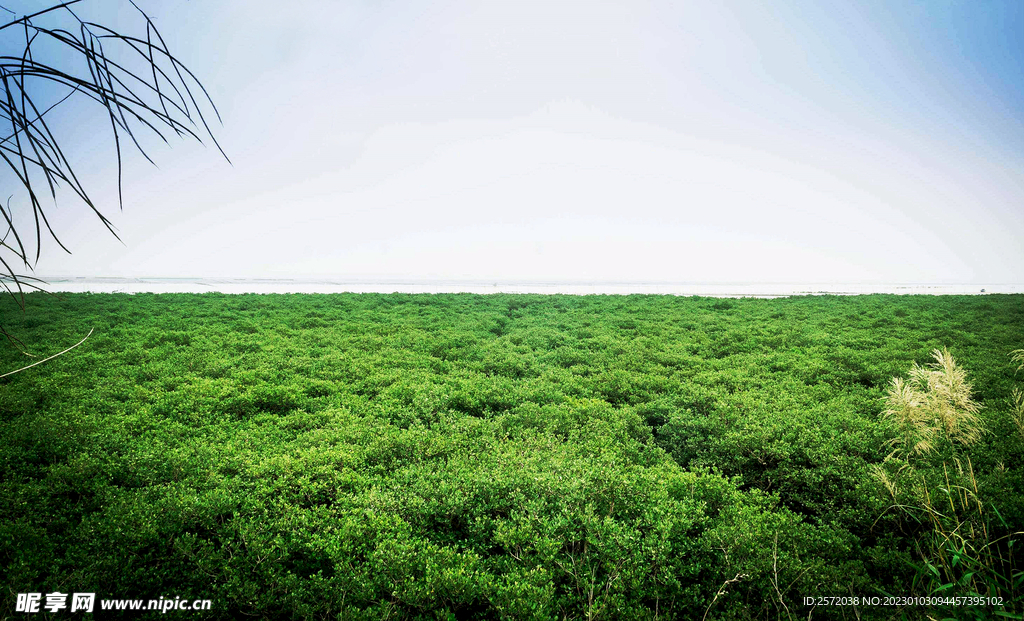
(965, 546)
(1017, 403)
(934, 408)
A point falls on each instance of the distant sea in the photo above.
(80, 284)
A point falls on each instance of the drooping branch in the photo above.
(96, 66)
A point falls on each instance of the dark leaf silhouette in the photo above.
(139, 83)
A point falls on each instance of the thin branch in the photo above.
(50, 358)
(159, 97)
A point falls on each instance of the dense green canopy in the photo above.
(476, 457)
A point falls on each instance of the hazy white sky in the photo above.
(701, 141)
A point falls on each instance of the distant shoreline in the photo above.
(76, 284)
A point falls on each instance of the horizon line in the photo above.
(389, 280)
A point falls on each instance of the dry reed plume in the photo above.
(963, 547)
(934, 404)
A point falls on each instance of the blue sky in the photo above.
(708, 141)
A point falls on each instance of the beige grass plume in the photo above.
(935, 404)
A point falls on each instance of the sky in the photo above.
(702, 141)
